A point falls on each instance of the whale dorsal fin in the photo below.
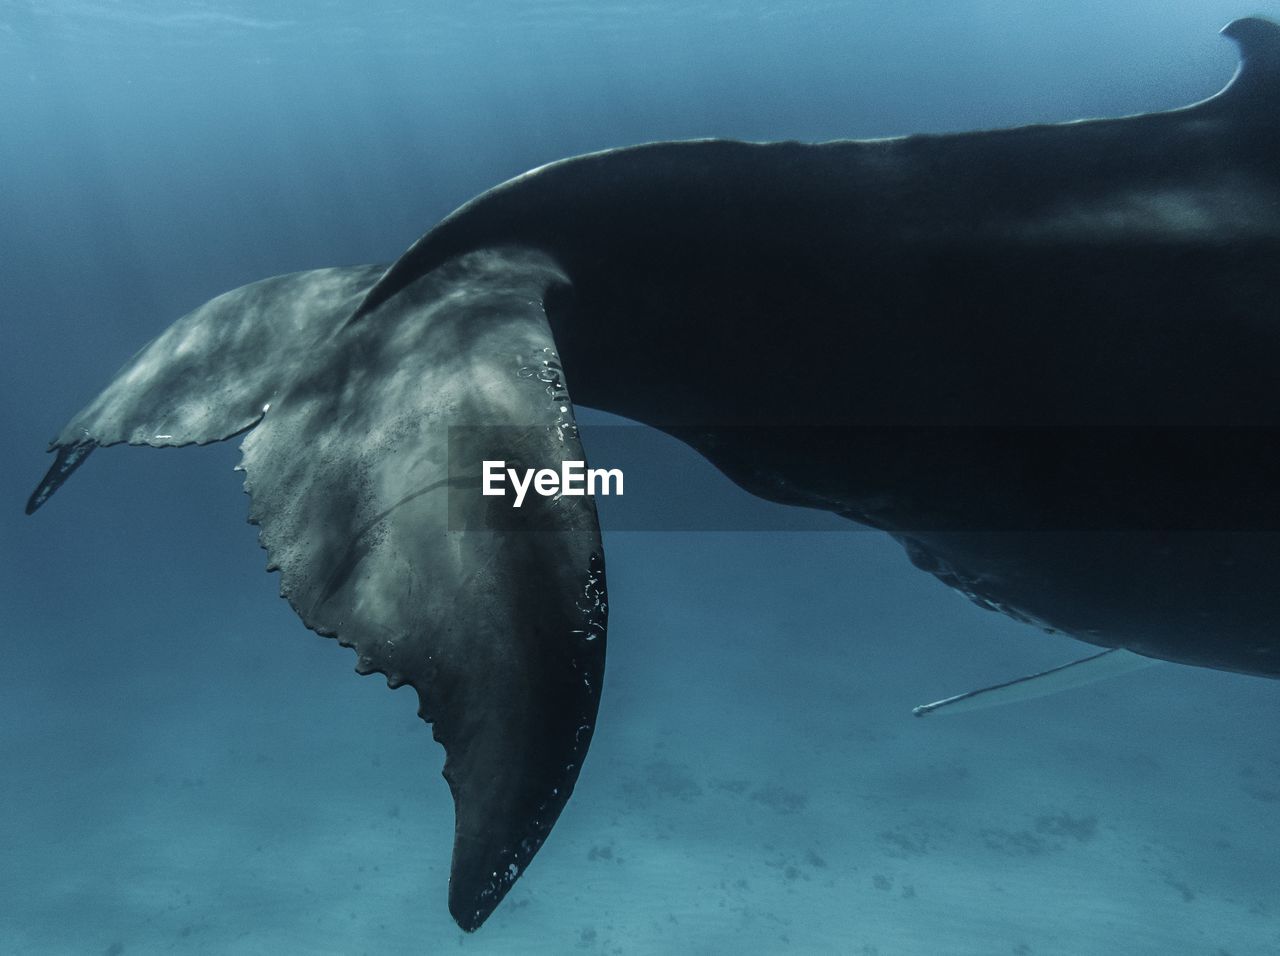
(1256, 84)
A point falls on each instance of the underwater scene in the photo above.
(766, 352)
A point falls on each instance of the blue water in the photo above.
(186, 769)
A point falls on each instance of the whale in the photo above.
(1043, 359)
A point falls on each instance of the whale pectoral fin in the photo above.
(1086, 670)
(364, 479)
(211, 375)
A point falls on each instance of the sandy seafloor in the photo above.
(186, 769)
(757, 783)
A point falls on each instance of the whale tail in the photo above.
(361, 459)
